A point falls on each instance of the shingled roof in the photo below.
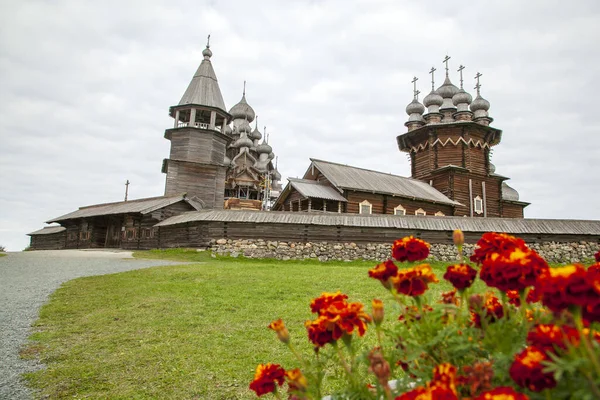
(316, 190)
(366, 180)
(141, 206)
(427, 223)
(48, 230)
(204, 88)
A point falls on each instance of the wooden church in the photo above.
(218, 161)
(448, 140)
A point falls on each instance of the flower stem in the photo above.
(586, 341)
(296, 354)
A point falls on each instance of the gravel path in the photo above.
(26, 281)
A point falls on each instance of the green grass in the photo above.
(2, 255)
(194, 331)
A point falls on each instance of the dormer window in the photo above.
(439, 214)
(399, 210)
(365, 207)
(420, 211)
(478, 205)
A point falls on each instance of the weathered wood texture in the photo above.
(385, 204)
(203, 180)
(54, 241)
(200, 233)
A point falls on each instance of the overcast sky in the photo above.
(85, 89)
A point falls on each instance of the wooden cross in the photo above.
(208, 42)
(460, 69)
(431, 71)
(126, 189)
(414, 82)
(244, 92)
(446, 61)
(478, 85)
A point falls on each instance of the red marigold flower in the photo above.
(491, 308)
(512, 270)
(502, 393)
(379, 366)
(384, 271)
(414, 281)
(450, 297)
(418, 393)
(322, 331)
(296, 380)
(514, 297)
(548, 337)
(478, 377)
(527, 370)
(461, 276)
(591, 312)
(492, 243)
(265, 378)
(597, 256)
(325, 300)
(565, 286)
(444, 376)
(410, 249)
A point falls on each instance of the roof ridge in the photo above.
(131, 201)
(366, 169)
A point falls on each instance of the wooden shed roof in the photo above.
(466, 224)
(47, 230)
(366, 180)
(141, 206)
(204, 88)
(314, 189)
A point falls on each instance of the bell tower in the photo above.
(196, 164)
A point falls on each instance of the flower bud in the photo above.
(282, 333)
(377, 311)
(458, 237)
(379, 366)
(296, 380)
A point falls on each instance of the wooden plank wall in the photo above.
(53, 241)
(202, 180)
(385, 204)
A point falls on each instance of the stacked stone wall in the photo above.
(553, 252)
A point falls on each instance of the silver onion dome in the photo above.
(207, 53)
(447, 90)
(228, 130)
(509, 193)
(480, 104)
(227, 161)
(415, 107)
(462, 97)
(271, 156)
(264, 148)
(242, 110)
(492, 168)
(276, 175)
(243, 141)
(433, 99)
(255, 134)
(244, 126)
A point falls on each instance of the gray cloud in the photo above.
(85, 88)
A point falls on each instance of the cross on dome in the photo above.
(460, 70)
(431, 71)
(415, 91)
(446, 61)
(478, 85)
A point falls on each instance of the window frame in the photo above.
(399, 208)
(420, 212)
(478, 201)
(365, 203)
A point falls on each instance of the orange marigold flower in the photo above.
(410, 249)
(444, 375)
(325, 300)
(512, 270)
(490, 307)
(461, 276)
(296, 380)
(383, 272)
(502, 393)
(565, 286)
(492, 243)
(418, 393)
(414, 281)
(377, 306)
(336, 317)
(527, 370)
(548, 337)
(282, 333)
(266, 377)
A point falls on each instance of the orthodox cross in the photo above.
(446, 61)
(415, 91)
(266, 138)
(460, 69)
(256, 125)
(477, 86)
(244, 92)
(431, 71)
(126, 189)
(208, 42)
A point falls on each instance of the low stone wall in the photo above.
(325, 251)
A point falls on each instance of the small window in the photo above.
(439, 214)
(478, 205)
(399, 210)
(365, 207)
(420, 211)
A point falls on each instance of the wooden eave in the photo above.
(420, 135)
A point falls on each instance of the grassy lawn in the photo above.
(194, 331)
